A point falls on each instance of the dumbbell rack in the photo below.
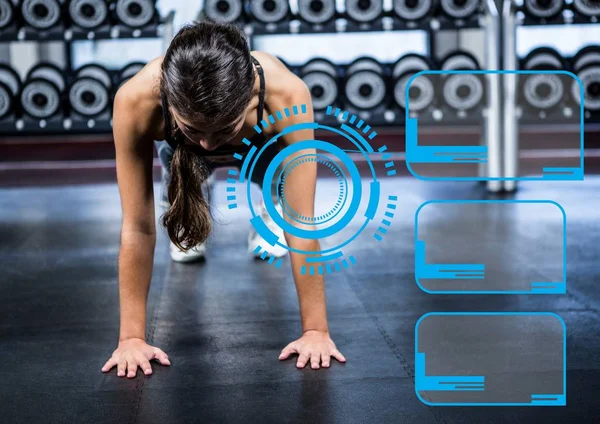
(488, 20)
(386, 23)
(510, 113)
(164, 29)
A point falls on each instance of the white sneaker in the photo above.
(255, 239)
(196, 253)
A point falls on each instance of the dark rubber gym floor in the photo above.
(224, 322)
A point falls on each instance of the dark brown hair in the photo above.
(207, 76)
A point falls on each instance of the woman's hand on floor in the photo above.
(314, 346)
(134, 353)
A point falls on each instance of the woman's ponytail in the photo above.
(188, 219)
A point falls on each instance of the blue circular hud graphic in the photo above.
(340, 210)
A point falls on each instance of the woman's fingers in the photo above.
(161, 356)
(325, 360)
(121, 367)
(302, 359)
(145, 366)
(131, 368)
(315, 359)
(287, 351)
(109, 364)
(338, 355)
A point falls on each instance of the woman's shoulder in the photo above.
(139, 97)
(280, 81)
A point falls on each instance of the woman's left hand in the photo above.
(314, 346)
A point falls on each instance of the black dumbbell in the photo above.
(7, 13)
(128, 71)
(10, 86)
(225, 11)
(588, 8)
(88, 14)
(135, 13)
(460, 9)
(543, 90)
(364, 11)
(365, 84)
(586, 65)
(41, 14)
(461, 91)
(414, 10)
(41, 96)
(269, 11)
(421, 92)
(90, 92)
(543, 9)
(316, 12)
(321, 78)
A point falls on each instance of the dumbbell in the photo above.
(10, 86)
(7, 13)
(41, 96)
(461, 91)
(320, 76)
(589, 8)
(421, 92)
(41, 14)
(269, 11)
(543, 91)
(135, 13)
(459, 9)
(224, 11)
(88, 14)
(316, 12)
(543, 9)
(364, 11)
(365, 85)
(586, 64)
(90, 92)
(128, 71)
(414, 10)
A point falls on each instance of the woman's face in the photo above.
(206, 136)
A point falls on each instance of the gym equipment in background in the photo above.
(421, 92)
(364, 11)
(90, 91)
(543, 91)
(41, 96)
(316, 12)
(88, 14)
(7, 14)
(10, 87)
(269, 11)
(586, 65)
(365, 85)
(135, 13)
(41, 14)
(414, 10)
(321, 78)
(461, 91)
(588, 8)
(225, 11)
(543, 9)
(459, 9)
(128, 71)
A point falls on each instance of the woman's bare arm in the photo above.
(132, 127)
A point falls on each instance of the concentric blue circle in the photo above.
(342, 199)
(356, 192)
(312, 126)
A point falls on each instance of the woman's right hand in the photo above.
(134, 353)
